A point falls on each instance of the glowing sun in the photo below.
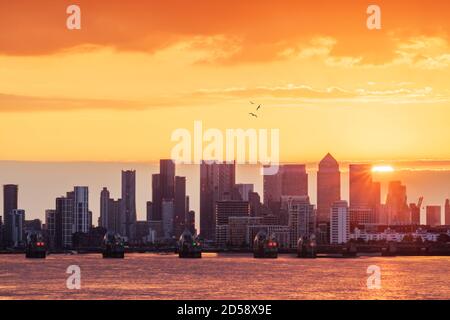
(382, 169)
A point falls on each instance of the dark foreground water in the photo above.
(153, 276)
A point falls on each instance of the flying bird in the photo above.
(254, 115)
(258, 107)
(252, 102)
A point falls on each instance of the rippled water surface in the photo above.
(154, 276)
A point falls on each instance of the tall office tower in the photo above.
(328, 187)
(302, 217)
(272, 192)
(179, 206)
(110, 210)
(168, 213)
(64, 224)
(104, 208)
(225, 210)
(243, 190)
(294, 180)
(50, 227)
(255, 204)
(187, 204)
(447, 212)
(114, 210)
(364, 193)
(360, 185)
(82, 219)
(10, 200)
(291, 180)
(375, 200)
(216, 184)
(339, 223)
(149, 210)
(415, 213)
(433, 216)
(16, 227)
(272, 188)
(398, 210)
(167, 176)
(156, 197)
(128, 204)
(190, 222)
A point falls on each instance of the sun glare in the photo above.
(382, 169)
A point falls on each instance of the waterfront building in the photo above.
(225, 210)
(339, 223)
(302, 217)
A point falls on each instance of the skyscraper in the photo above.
(397, 206)
(415, 213)
(82, 218)
(149, 210)
(360, 185)
(190, 221)
(168, 212)
(128, 204)
(294, 180)
(104, 208)
(433, 215)
(290, 180)
(216, 184)
(255, 204)
(64, 224)
(156, 197)
(272, 188)
(167, 187)
(10, 202)
(339, 223)
(364, 194)
(244, 189)
(447, 212)
(179, 206)
(167, 178)
(328, 187)
(110, 210)
(16, 227)
(50, 227)
(302, 217)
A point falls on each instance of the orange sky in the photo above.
(137, 70)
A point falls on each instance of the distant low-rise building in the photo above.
(390, 235)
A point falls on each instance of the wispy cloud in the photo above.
(16, 103)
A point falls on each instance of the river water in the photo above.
(223, 276)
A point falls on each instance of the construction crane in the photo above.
(419, 203)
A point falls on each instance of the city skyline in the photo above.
(258, 189)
